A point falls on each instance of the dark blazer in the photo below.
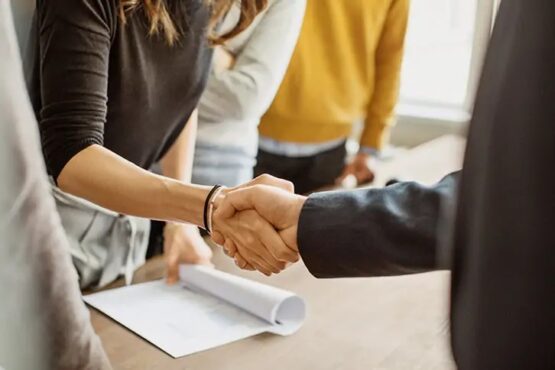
(499, 239)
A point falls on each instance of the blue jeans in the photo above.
(221, 165)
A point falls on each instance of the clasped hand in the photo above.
(257, 224)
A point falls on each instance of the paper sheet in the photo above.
(207, 309)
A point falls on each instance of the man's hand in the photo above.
(360, 169)
(275, 210)
(183, 244)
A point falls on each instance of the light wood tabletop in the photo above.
(376, 323)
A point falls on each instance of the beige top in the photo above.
(45, 325)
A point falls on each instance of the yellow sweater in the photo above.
(346, 67)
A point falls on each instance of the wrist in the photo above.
(218, 199)
(298, 205)
(209, 207)
(363, 155)
(186, 202)
(297, 208)
(368, 151)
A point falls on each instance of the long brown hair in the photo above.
(161, 20)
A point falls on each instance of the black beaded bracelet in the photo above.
(206, 206)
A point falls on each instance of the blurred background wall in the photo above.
(446, 43)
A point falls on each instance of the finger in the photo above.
(251, 262)
(242, 264)
(252, 258)
(250, 250)
(273, 243)
(260, 254)
(257, 261)
(259, 266)
(250, 244)
(256, 197)
(269, 268)
(217, 237)
(230, 248)
(172, 265)
(236, 200)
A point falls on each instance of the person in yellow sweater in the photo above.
(346, 67)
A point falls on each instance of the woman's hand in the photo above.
(223, 60)
(184, 244)
(254, 236)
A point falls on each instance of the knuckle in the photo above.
(250, 240)
(257, 180)
(218, 238)
(265, 177)
(283, 254)
(288, 185)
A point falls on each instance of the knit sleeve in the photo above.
(74, 39)
(389, 55)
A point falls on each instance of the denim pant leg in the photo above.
(223, 166)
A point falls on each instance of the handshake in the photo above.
(256, 224)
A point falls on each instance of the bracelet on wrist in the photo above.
(209, 207)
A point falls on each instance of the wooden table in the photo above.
(379, 323)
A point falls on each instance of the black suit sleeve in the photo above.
(374, 232)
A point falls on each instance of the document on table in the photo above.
(208, 308)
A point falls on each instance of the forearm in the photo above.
(104, 178)
(374, 232)
(381, 109)
(178, 161)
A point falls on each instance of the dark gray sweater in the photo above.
(95, 81)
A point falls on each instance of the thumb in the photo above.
(235, 201)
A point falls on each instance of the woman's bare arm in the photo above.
(102, 177)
